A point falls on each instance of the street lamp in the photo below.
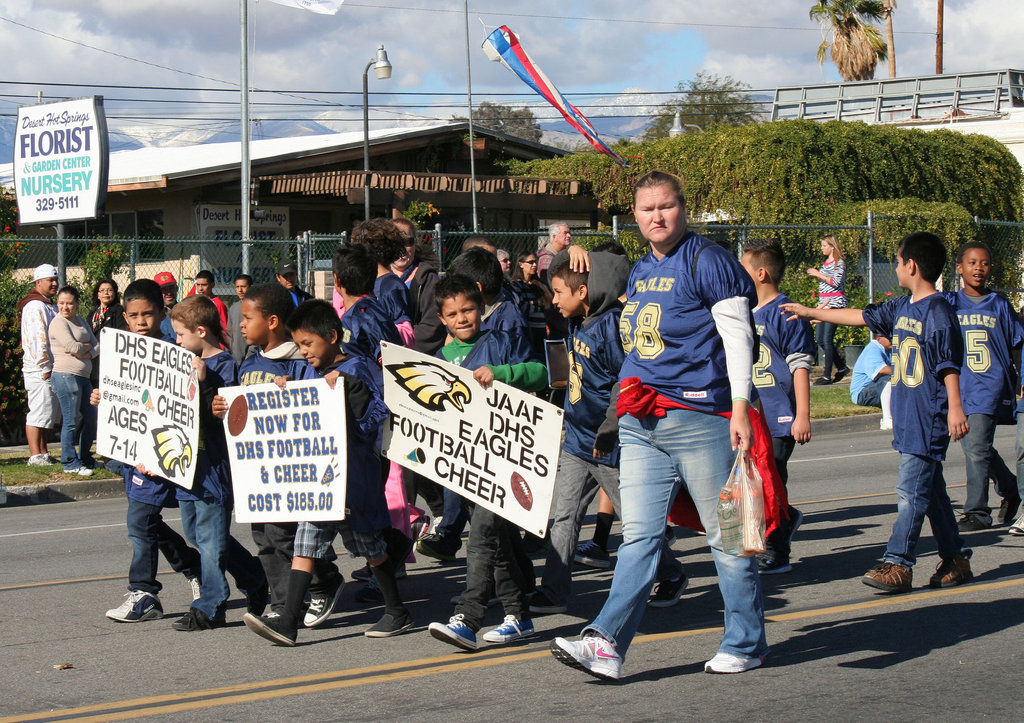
(382, 69)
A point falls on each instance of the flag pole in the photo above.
(245, 179)
(469, 101)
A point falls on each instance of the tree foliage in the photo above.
(707, 100)
(799, 171)
(856, 45)
(518, 122)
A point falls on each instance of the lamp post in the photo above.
(382, 69)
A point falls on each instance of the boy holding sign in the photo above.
(366, 530)
(206, 508)
(265, 311)
(148, 495)
(491, 556)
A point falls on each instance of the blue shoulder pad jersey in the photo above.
(667, 331)
(366, 505)
(213, 465)
(257, 368)
(497, 347)
(393, 295)
(595, 357)
(364, 326)
(772, 377)
(926, 341)
(991, 329)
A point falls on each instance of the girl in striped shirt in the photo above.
(831, 295)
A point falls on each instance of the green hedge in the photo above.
(800, 171)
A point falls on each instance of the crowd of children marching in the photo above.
(953, 377)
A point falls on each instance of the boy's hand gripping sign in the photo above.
(288, 451)
(497, 447)
(149, 405)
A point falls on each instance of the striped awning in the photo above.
(339, 183)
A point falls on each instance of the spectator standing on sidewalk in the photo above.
(37, 311)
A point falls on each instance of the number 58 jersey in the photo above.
(926, 341)
(666, 327)
(991, 329)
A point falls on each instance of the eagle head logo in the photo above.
(173, 450)
(430, 385)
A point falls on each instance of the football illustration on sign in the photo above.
(521, 491)
(238, 415)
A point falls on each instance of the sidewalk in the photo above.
(77, 490)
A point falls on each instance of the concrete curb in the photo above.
(76, 491)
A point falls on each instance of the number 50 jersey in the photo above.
(926, 341)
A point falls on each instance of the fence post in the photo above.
(871, 257)
(61, 275)
(615, 227)
(438, 246)
(133, 258)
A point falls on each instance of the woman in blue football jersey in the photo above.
(683, 406)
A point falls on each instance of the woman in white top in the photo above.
(831, 295)
(74, 346)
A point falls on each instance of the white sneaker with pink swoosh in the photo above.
(591, 654)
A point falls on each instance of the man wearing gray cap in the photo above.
(37, 310)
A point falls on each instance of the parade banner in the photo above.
(149, 405)
(60, 161)
(288, 451)
(497, 447)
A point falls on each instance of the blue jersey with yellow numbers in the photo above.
(926, 341)
(667, 331)
(260, 369)
(595, 357)
(991, 329)
(772, 377)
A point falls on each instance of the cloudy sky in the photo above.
(606, 48)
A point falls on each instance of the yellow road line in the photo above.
(422, 667)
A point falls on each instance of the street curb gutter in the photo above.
(76, 491)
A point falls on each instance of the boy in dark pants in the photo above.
(494, 543)
(927, 351)
(366, 530)
(781, 376)
(148, 495)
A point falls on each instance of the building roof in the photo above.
(157, 165)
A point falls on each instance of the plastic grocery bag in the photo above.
(741, 509)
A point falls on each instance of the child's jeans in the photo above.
(984, 463)
(150, 535)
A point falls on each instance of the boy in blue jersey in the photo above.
(265, 312)
(366, 530)
(206, 508)
(590, 452)
(500, 310)
(988, 384)
(781, 377)
(494, 555)
(927, 352)
(365, 323)
(386, 243)
(148, 495)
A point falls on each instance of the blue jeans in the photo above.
(150, 535)
(983, 463)
(921, 490)
(683, 447)
(79, 426)
(207, 525)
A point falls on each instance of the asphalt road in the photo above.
(838, 650)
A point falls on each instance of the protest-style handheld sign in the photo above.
(497, 447)
(288, 450)
(60, 161)
(149, 405)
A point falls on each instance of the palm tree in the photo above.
(857, 46)
(890, 5)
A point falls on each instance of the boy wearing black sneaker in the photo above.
(927, 352)
(589, 460)
(366, 529)
(781, 377)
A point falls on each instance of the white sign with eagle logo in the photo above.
(497, 446)
(149, 405)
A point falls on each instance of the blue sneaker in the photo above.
(137, 606)
(511, 629)
(456, 633)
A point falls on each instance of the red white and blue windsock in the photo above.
(503, 46)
